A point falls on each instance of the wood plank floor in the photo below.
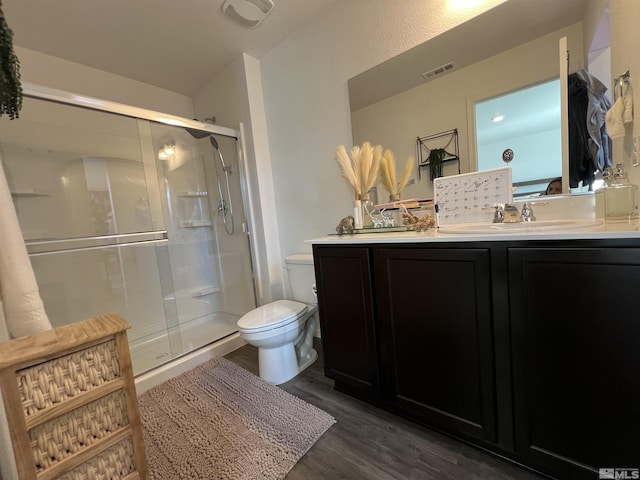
(372, 444)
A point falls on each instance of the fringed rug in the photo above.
(219, 421)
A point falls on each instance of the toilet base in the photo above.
(280, 364)
(309, 358)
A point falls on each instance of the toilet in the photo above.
(283, 330)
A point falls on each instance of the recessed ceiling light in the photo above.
(497, 118)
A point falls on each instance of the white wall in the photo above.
(235, 97)
(54, 72)
(307, 105)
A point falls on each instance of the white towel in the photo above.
(614, 120)
(627, 101)
(23, 308)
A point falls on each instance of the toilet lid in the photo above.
(278, 313)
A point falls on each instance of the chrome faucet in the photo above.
(511, 214)
(505, 213)
(508, 212)
(526, 214)
(498, 214)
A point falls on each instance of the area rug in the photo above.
(219, 421)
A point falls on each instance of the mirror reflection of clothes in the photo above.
(620, 115)
(589, 144)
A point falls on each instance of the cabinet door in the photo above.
(343, 280)
(435, 321)
(576, 358)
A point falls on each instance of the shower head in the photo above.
(201, 134)
(214, 143)
(197, 133)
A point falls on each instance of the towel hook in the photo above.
(620, 82)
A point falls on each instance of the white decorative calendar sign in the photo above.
(461, 198)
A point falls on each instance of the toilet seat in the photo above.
(272, 315)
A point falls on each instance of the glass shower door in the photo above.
(208, 245)
(88, 206)
(129, 216)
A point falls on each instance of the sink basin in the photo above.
(541, 226)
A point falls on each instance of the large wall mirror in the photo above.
(508, 56)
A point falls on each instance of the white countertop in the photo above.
(619, 229)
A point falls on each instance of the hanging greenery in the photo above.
(435, 161)
(10, 87)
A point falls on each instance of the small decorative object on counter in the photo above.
(409, 218)
(423, 224)
(619, 194)
(387, 218)
(345, 226)
(366, 207)
(377, 218)
(427, 222)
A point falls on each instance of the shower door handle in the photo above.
(41, 247)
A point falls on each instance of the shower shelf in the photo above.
(29, 192)
(205, 291)
(195, 224)
(193, 292)
(192, 194)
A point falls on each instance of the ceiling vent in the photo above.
(249, 13)
(439, 71)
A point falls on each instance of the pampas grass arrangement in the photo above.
(370, 164)
(360, 168)
(388, 175)
(350, 170)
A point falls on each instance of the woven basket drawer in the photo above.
(61, 437)
(63, 378)
(115, 463)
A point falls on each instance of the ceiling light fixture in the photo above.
(497, 118)
(249, 13)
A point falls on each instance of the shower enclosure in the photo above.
(128, 211)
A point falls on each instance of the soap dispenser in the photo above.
(619, 193)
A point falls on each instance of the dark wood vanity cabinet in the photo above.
(436, 338)
(575, 323)
(345, 302)
(530, 349)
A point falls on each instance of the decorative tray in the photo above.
(359, 231)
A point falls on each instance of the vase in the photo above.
(357, 214)
(366, 207)
(394, 197)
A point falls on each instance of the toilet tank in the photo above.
(302, 278)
